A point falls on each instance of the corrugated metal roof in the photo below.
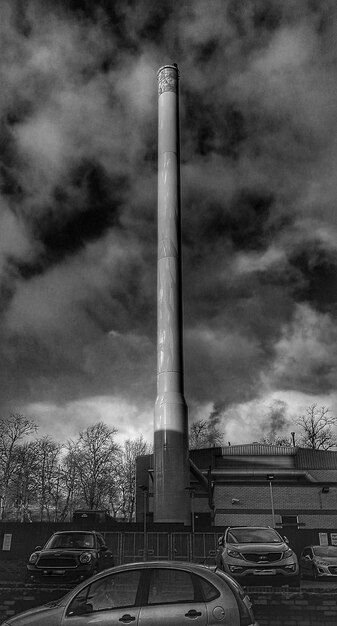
(258, 449)
(302, 458)
(316, 459)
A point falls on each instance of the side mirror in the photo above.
(307, 557)
(81, 609)
(104, 548)
(38, 548)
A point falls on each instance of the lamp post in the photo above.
(270, 478)
(191, 491)
(145, 494)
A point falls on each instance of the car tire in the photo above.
(314, 573)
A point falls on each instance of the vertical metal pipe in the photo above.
(171, 469)
(272, 503)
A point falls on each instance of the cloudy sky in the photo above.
(78, 210)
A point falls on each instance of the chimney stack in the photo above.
(171, 462)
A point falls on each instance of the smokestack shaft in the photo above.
(171, 473)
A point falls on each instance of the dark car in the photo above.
(249, 553)
(160, 593)
(318, 561)
(69, 556)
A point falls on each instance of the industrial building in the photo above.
(254, 484)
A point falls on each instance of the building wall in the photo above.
(239, 473)
(251, 504)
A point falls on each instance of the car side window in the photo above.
(208, 590)
(110, 592)
(100, 541)
(170, 585)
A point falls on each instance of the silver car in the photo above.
(318, 561)
(251, 553)
(154, 594)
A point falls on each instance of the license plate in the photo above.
(54, 572)
(264, 572)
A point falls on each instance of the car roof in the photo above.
(251, 527)
(197, 567)
(76, 532)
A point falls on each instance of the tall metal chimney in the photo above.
(171, 465)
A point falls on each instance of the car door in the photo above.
(172, 599)
(109, 600)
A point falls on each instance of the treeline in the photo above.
(43, 480)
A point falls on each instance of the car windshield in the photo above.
(253, 535)
(325, 551)
(70, 540)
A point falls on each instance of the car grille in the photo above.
(265, 557)
(333, 569)
(58, 562)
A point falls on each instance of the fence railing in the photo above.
(128, 547)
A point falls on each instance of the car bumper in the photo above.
(270, 571)
(58, 575)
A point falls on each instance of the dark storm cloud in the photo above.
(78, 204)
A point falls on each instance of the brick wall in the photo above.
(285, 497)
(251, 504)
(294, 608)
(17, 598)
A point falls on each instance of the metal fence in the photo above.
(128, 547)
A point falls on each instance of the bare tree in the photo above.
(47, 458)
(276, 440)
(204, 434)
(316, 428)
(22, 491)
(13, 430)
(123, 500)
(94, 458)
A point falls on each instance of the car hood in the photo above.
(258, 547)
(65, 551)
(329, 560)
(39, 615)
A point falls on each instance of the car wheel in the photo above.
(314, 573)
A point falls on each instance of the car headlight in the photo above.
(287, 553)
(234, 553)
(85, 557)
(33, 557)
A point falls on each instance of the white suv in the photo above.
(251, 552)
